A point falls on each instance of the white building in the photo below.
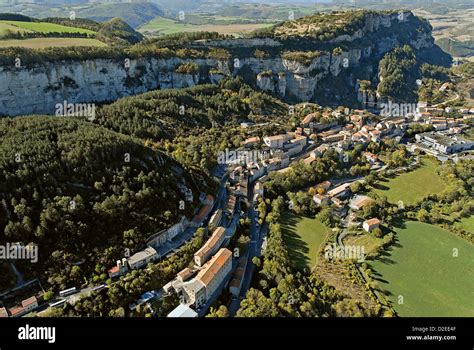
(141, 259)
(183, 311)
(371, 224)
(443, 143)
(320, 199)
(277, 141)
(200, 289)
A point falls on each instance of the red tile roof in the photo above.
(27, 302)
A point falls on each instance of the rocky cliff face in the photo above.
(300, 80)
(37, 90)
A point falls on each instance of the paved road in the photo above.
(255, 249)
(448, 101)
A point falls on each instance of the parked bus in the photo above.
(65, 293)
(58, 303)
(102, 286)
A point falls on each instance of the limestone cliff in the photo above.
(345, 58)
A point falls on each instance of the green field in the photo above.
(366, 240)
(43, 27)
(422, 269)
(40, 43)
(414, 185)
(5, 27)
(304, 237)
(166, 26)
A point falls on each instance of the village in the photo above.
(242, 178)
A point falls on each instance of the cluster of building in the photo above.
(23, 308)
(274, 154)
(212, 268)
(441, 142)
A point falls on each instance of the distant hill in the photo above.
(112, 32)
(134, 14)
(119, 32)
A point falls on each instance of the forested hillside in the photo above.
(191, 118)
(83, 194)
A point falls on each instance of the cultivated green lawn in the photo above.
(422, 269)
(304, 237)
(43, 27)
(414, 185)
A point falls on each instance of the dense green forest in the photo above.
(83, 194)
(83, 191)
(189, 123)
(399, 70)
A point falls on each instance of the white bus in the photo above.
(58, 303)
(66, 292)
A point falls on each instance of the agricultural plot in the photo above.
(41, 43)
(414, 185)
(164, 26)
(429, 272)
(43, 27)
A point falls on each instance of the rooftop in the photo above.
(185, 273)
(339, 189)
(212, 242)
(16, 310)
(212, 268)
(29, 301)
(3, 312)
(443, 139)
(183, 311)
(309, 118)
(143, 255)
(279, 137)
(372, 222)
(114, 269)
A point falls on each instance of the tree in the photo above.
(356, 187)
(257, 305)
(48, 295)
(326, 217)
(370, 179)
(378, 232)
(256, 261)
(221, 312)
(423, 215)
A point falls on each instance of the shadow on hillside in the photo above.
(380, 187)
(380, 280)
(298, 248)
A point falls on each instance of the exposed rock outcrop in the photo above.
(37, 90)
